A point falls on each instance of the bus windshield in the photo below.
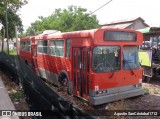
(130, 57)
(106, 58)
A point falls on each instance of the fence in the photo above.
(39, 96)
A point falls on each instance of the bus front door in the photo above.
(81, 64)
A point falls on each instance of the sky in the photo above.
(115, 10)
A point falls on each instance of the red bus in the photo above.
(99, 65)
(25, 50)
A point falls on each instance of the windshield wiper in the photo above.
(112, 68)
(132, 72)
(112, 72)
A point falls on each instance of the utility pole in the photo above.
(7, 29)
(3, 37)
(17, 46)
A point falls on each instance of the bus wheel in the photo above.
(63, 80)
(65, 84)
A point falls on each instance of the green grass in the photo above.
(156, 91)
(150, 89)
(11, 52)
(146, 91)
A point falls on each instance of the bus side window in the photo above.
(42, 46)
(68, 47)
(52, 48)
(59, 47)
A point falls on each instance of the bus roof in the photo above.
(83, 33)
(26, 38)
(74, 34)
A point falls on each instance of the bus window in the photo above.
(59, 47)
(25, 45)
(52, 47)
(130, 57)
(22, 45)
(68, 46)
(106, 58)
(42, 46)
(28, 46)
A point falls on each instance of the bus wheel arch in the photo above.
(64, 81)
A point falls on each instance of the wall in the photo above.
(138, 24)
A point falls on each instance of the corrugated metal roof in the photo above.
(125, 22)
(122, 26)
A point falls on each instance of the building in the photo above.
(134, 23)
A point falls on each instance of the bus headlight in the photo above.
(137, 85)
(101, 92)
(140, 84)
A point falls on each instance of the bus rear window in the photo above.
(119, 36)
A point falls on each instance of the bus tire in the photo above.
(64, 82)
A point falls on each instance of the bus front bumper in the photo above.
(115, 96)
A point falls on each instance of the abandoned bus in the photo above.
(99, 65)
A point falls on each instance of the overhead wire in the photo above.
(100, 7)
(94, 11)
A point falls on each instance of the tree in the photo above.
(12, 4)
(13, 19)
(11, 7)
(31, 30)
(71, 19)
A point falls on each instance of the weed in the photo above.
(156, 91)
(16, 95)
(146, 91)
(11, 52)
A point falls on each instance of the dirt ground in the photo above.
(15, 93)
(149, 101)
